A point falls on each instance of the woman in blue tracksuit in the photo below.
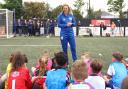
(66, 22)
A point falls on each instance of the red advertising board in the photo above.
(95, 22)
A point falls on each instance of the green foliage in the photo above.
(90, 13)
(55, 12)
(77, 11)
(77, 15)
(79, 4)
(14, 5)
(35, 9)
(94, 14)
(97, 14)
(116, 6)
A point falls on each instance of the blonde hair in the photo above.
(79, 70)
(86, 55)
(113, 22)
(69, 9)
(43, 63)
(46, 54)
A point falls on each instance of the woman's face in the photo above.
(66, 9)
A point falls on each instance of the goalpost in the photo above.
(6, 23)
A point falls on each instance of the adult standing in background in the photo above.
(78, 27)
(25, 28)
(30, 27)
(51, 28)
(102, 27)
(38, 28)
(66, 22)
(113, 27)
(47, 27)
(19, 27)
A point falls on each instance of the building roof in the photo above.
(108, 15)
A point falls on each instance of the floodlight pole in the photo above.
(127, 13)
(89, 5)
(89, 9)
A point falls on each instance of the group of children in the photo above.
(53, 73)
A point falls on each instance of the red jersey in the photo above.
(19, 79)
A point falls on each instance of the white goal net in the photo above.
(6, 23)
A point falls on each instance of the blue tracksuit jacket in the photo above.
(67, 34)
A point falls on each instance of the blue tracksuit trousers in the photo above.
(68, 38)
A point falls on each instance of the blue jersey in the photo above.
(120, 73)
(56, 79)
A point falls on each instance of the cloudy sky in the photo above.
(96, 4)
(101, 4)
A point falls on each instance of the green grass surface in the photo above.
(95, 45)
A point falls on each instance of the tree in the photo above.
(94, 14)
(35, 10)
(14, 5)
(78, 7)
(77, 15)
(116, 6)
(79, 4)
(55, 12)
(97, 14)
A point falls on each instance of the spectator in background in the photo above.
(19, 27)
(38, 28)
(78, 27)
(102, 27)
(15, 27)
(113, 28)
(34, 27)
(42, 28)
(25, 30)
(30, 27)
(47, 27)
(55, 23)
(51, 28)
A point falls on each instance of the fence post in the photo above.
(124, 31)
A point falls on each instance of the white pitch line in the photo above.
(30, 45)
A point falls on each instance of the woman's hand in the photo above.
(69, 24)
